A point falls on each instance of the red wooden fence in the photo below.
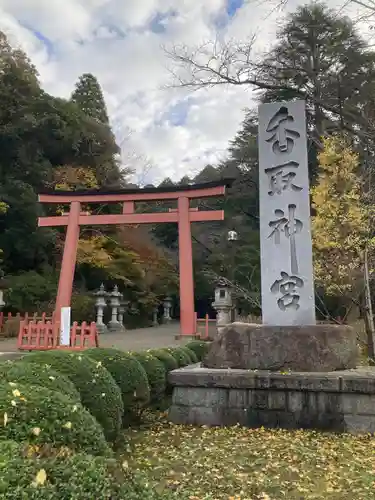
(42, 336)
(203, 322)
(26, 317)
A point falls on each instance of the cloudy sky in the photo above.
(121, 42)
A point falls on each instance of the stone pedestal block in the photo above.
(341, 401)
(315, 348)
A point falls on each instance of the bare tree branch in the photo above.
(232, 63)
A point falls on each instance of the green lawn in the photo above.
(242, 464)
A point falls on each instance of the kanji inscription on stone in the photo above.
(285, 234)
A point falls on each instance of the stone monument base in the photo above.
(338, 401)
(312, 348)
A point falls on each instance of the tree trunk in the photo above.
(369, 322)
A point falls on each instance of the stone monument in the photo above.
(289, 371)
(289, 337)
(284, 208)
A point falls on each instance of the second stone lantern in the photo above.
(114, 325)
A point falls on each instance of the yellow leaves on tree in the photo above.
(160, 272)
(341, 224)
(106, 253)
(91, 251)
(68, 178)
(3, 207)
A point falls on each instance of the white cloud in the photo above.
(113, 40)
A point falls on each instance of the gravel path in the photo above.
(137, 340)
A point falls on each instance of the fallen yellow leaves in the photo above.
(40, 478)
(201, 463)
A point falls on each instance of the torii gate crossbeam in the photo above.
(183, 215)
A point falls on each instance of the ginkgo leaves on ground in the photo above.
(252, 464)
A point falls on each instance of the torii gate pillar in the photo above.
(187, 310)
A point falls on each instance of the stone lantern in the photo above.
(223, 303)
(167, 304)
(114, 325)
(232, 235)
(121, 312)
(100, 304)
(155, 313)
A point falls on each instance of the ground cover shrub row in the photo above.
(76, 404)
(100, 394)
(52, 474)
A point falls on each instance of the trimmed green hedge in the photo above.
(179, 355)
(40, 375)
(99, 392)
(39, 415)
(26, 474)
(192, 356)
(129, 375)
(200, 348)
(156, 374)
(166, 358)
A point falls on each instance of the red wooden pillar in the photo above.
(187, 312)
(68, 265)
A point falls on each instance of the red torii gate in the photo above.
(183, 215)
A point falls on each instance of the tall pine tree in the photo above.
(319, 55)
(88, 95)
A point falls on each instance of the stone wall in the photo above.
(339, 401)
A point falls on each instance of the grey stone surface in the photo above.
(285, 235)
(304, 348)
(220, 397)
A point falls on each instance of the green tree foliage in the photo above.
(89, 97)
(320, 55)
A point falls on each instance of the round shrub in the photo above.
(192, 356)
(128, 374)
(179, 355)
(40, 375)
(156, 374)
(166, 358)
(39, 416)
(99, 392)
(37, 475)
(200, 348)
